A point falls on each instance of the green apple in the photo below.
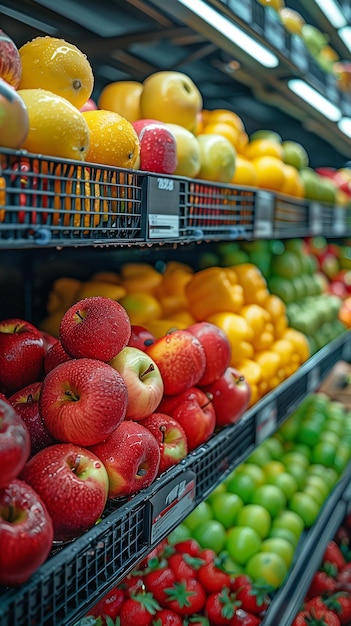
(217, 158)
(295, 154)
(188, 151)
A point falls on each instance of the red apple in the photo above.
(14, 442)
(90, 105)
(49, 340)
(26, 533)
(158, 147)
(10, 61)
(344, 276)
(82, 401)
(26, 403)
(95, 328)
(131, 456)
(22, 353)
(217, 350)
(143, 380)
(230, 396)
(73, 484)
(55, 356)
(181, 360)
(171, 439)
(140, 337)
(194, 411)
(14, 121)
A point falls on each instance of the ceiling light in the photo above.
(345, 35)
(344, 124)
(332, 11)
(315, 99)
(260, 53)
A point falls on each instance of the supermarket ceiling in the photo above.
(130, 39)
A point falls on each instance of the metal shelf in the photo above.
(78, 574)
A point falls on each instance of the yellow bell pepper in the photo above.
(253, 283)
(238, 332)
(214, 290)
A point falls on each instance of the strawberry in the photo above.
(244, 618)
(184, 566)
(186, 597)
(323, 581)
(138, 609)
(157, 581)
(316, 617)
(334, 555)
(166, 617)
(254, 598)
(220, 607)
(340, 603)
(212, 577)
(109, 605)
(188, 546)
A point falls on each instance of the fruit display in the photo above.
(296, 272)
(328, 597)
(103, 419)
(265, 347)
(147, 464)
(227, 559)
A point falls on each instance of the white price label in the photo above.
(339, 223)
(266, 421)
(316, 218)
(264, 209)
(163, 226)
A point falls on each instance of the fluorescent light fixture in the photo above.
(345, 35)
(260, 53)
(315, 99)
(332, 11)
(344, 124)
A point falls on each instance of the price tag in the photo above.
(171, 504)
(313, 378)
(266, 421)
(274, 31)
(242, 9)
(163, 207)
(264, 211)
(298, 53)
(339, 222)
(316, 218)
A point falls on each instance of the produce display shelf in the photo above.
(50, 202)
(76, 575)
(309, 555)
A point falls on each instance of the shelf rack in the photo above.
(76, 575)
(51, 202)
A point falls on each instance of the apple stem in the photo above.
(30, 399)
(238, 379)
(75, 463)
(71, 395)
(79, 315)
(209, 399)
(148, 370)
(163, 430)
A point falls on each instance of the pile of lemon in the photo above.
(56, 82)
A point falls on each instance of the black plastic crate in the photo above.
(53, 202)
(216, 211)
